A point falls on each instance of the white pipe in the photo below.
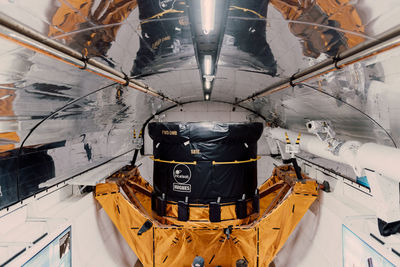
(382, 159)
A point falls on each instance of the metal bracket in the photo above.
(137, 138)
(323, 130)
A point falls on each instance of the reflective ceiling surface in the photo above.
(91, 119)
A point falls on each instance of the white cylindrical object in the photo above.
(308, 143)
(382, 159)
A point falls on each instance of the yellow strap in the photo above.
(159, 15)
(214, 162)
(247, 10)
(236, 161)
(287, 138)
(298, 139)
(173, 161)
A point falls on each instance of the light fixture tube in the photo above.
(207, 65)
(207, 15)
(207, 85)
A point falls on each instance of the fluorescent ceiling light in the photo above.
(207, 96)
(207, 15)
(207, 65)
(207, 85)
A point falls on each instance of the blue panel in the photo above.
(363, 181)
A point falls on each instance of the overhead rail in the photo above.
(14, 31)
(381, 43)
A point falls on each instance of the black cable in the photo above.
(344, 102)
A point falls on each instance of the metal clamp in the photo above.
(291, 81)
(126, 78)
(336, 59)
(85, 60)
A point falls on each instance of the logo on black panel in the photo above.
(182, 175)
(166, 4)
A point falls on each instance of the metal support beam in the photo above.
(14, 31)
(381, 43)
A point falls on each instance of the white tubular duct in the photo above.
(382, 159)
